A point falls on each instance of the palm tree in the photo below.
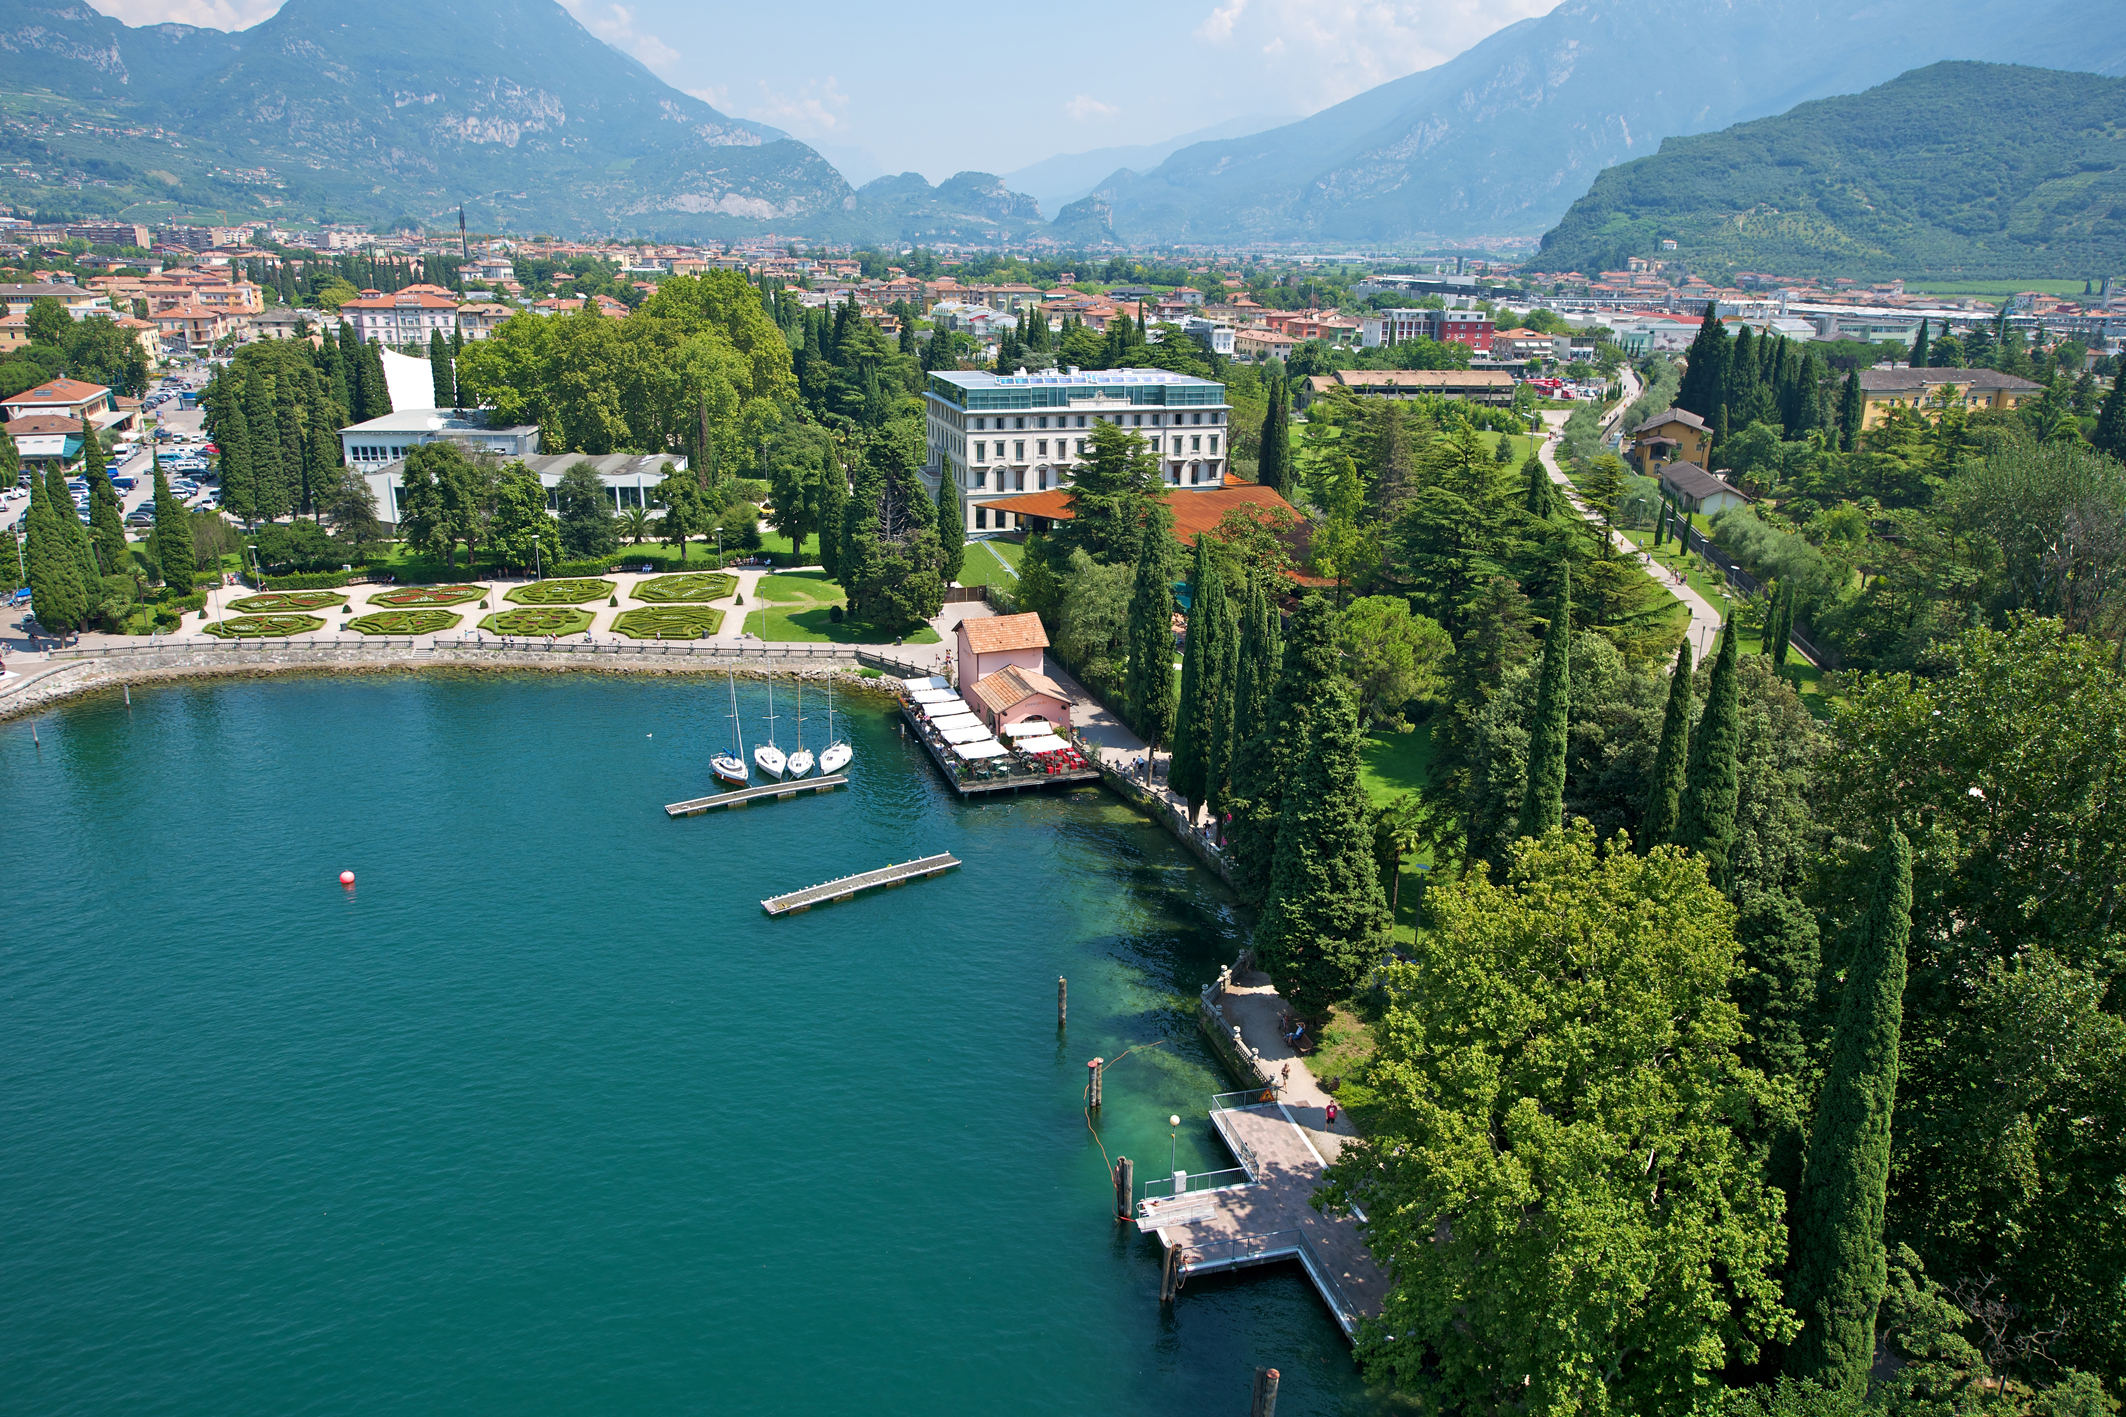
(635, 524)
(1402, 829)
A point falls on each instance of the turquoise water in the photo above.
(545, 1115)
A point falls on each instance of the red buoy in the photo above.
(346, 878)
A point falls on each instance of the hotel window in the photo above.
(1018, 451)
(1197, 419)
(1139, 420)
(1044, 423)
(1177, 442)
(1041, 447)
(1081, 420)
(981, 477)
(1081, 447)
(1018, 480)
(981, 451)
(1043, 483)
(1022, 423)
(1195, 445)
(981, 518)
(1214, 442)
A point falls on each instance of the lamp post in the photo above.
(1172, 1144)
(719, 548)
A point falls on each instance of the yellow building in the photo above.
(1670, 436)
(1926, 389)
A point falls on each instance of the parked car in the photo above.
(142, 515)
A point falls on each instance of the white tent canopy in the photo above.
(1048, 744)
(1031, 728)
(934, 681)
(946, 722)
(972, 733)
(986, 748)
(934, 696)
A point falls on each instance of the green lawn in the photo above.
(1395, 763)
(799, 610)
(1994, 287)
(992, 563)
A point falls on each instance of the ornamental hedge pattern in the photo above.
(563, 592)
(278, 601)
(261, 627)
(411, 596)
(695, 588)
(561, 620)
(669, 622)
(404, 622)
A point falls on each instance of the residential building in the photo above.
(196, 326)
(404, 317)
(1259, 342)
(1672, 435)
(201, 238)
(992, 643)
(479, 321)
(1016, 695)
(112, 234)
(370, 445)
(79, 303)
(1492, 386)
(1930, 389)
(72, 399)
(1695, 490)
(1469, 327)
(999, 434)
(1530, 344)
(276, 324)
(43, 441)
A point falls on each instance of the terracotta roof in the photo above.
(43, 423)
(1674, 415)
(998, 633)
(1011, 685)
(1690, 480)
(61, 391)
(1196, 510)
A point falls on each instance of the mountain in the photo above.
(1501, 139)
(1976, 170)
(394, 109)
(968, 207)
(1058, 181)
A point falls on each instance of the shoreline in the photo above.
(48, 684)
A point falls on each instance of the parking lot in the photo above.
(183, 445)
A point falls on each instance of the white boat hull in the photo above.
(834, 759)
(800, 762)
(729, 769)
(769, 760)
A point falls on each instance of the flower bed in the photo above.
(695, 589)
(404, 622)
(261, 627)
(669, 622)
(564, 592)
(279, 601)
(563, 620)
(412, 596)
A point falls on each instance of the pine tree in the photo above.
(106, 521)
(1326, 920)
(1274, 469)
(173, 537)
(1850, 412)
(1665, 788)
(952, 531)
(1266, 760)
(1840, 1270)
(1705, 818)
(1149, 682)
(56, 592)
(2110, 434)
(1201, 655)
(439, 370)
(1543, 800)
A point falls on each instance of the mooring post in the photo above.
(1092, 1082)
(1265, 1403)
(1170, 1275)
(1062, 1000)
(1125, 1188)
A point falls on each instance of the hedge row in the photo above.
(404, 622)
(259, 627)
(551, 620)
(669, 622)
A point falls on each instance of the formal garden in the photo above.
(696, 589)
(404, 622)
(281, 601)
(264, 627)
(808, 607)
(669, 622)
(548, 620)
(416, 596)
(560, 592)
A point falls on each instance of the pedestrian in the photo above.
(1287, 1075)
(1332, 1111)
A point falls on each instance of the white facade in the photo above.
(368, 446)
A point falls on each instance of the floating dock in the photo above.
(849, 885)
(775, 790)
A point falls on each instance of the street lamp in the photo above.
(719, 548)
(1172, 1145)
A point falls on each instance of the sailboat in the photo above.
(767, 757)
(835, 756)
(731, 766)
(800, 756)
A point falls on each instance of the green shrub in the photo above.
(834, 613)
(600, 567)
(696, 588)
(669, 622)
(258, 627)
(318, 580)
(560, 592)
(554, 620)
(276, 601)
(426, 596)
(404, 622)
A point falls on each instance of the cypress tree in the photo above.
(263, 447)
(1537, 498)
(1149, 682)
(1850, 412)
(1201, 653)
(293, 457)
(439, 371)
(1920, 353)
(1543, 800)
(1274, 470)
(952, 531)
(1705, 818)
(1326, 922)
(76, 538)
(173, 537)
(1705, 369)
(1218, 750)
(1840, 1271)
(1665, 790)
(833, 491)
(1267, 760)
(1782, 627)
(376, 394)
(56, 592)
(2110, 434)
(106, 523)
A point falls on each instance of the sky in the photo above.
(992, 88)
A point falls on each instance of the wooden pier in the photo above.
(950, 768)
(1264, 1216)
(694, 807)
(863, 881)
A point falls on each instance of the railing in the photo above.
(1697, 541)
(688, 648)
(1209, 1181)
(1246, 1250)
(1246, 1097)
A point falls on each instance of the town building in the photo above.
(995, 435)
(1017, 695)
(1672, 435)
(1390, 327)
(1695, 490)
(480, 320)
(1490, 386)
(43, 442)
(990, 643)
(79, 303)
(404, 317)
(370, 445)
(1260, 342)
(1930, 389)
(73, 400)
(193, 325)
(111, 234)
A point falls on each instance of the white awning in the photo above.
(1048, 744)
(987, 748)
(946, 722)
(933, 681)
(933, 696)
(1031, 728)
(970, 733)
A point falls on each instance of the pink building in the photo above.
(989, 644)
(1014, 695)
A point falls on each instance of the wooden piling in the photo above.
(1170, 1275)
(1265, 1403)
(1092, 1082)
(1125, 1188)
(1062, 1001)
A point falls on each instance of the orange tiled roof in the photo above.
(1000, 633)
(1011, 686)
